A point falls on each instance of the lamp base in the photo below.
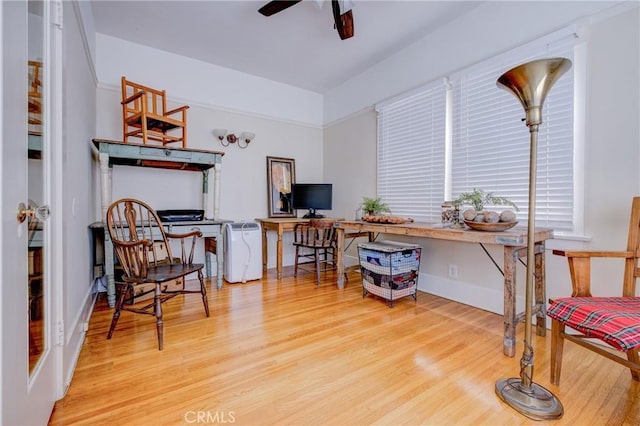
(535, 401)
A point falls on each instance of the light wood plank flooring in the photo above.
(288, 352)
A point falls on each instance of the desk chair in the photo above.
(137, 233)
(613, 320)
(316, 242)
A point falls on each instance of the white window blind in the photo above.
(411, 153)
(490, 142)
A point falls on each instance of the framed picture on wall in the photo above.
(281, 175)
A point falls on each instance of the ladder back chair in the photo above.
(315, 243)
(138, 236)
(145, 115)
(613, 320)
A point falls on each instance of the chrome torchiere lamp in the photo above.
(530, 83)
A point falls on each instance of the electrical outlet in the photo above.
(453, 271)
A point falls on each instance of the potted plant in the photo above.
(374, 206)
(478, 199)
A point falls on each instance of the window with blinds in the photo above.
(490, 142)
(411, 160)
(484, 144)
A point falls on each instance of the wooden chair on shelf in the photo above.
(35, 97)
(613, 320)
(137, 235)
(145, 115)
(316, 242)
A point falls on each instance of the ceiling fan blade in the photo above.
(343, 21)
(277, 6)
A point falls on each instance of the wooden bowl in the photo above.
(491, 227)
(387, 219)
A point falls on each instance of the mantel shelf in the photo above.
(129, 154)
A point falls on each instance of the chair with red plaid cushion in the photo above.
(613, 320)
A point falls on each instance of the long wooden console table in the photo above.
(112, 153)
(514, 242)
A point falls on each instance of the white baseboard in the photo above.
(468, 293)
(75, 334)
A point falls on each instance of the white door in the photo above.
(30, 379)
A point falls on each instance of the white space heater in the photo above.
(242, 252)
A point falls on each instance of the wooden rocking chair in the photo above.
(614, 320)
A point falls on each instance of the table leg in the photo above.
(105, 183)
(340, 257)
(279, 253)
(207, 262)
(219, 258)
(208, 212)
(217, 172)
(508, 341)
(108, 269)
(540, 291)
(264, 250)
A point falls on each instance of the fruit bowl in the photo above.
(491, 227)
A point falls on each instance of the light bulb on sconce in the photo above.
(242, 141)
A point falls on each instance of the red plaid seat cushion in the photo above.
(615, 320)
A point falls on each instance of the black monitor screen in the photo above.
(312, 197)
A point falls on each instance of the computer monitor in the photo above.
(312, 197)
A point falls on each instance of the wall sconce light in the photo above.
(242, 140)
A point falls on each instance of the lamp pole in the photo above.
(530, 83)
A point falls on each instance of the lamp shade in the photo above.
(247, 136)
(219, 133)
(531, 82)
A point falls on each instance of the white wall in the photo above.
(351, 166)
(612, 134)
(198, 82)
(79, 124)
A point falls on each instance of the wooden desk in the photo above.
(280, 225)
(514, 242)
(112, 153)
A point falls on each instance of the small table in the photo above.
(280, 225)
(514, 242)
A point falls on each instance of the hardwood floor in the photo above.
(288, 352)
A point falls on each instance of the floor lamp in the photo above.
(530, 83)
